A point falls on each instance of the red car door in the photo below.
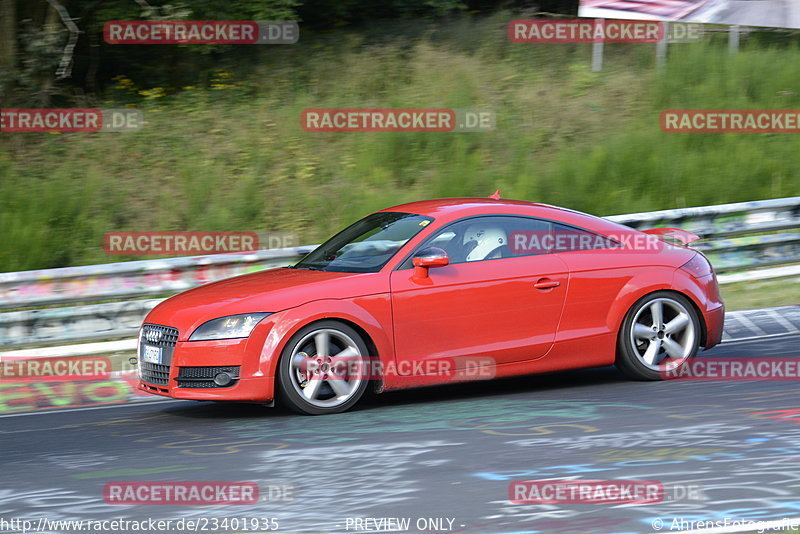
(507, 309)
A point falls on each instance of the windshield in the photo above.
(367, 245)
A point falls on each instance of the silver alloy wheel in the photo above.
(663, 334)
(322, 368)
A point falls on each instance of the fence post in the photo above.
(733, 39)
(597, 49)
(661, 47)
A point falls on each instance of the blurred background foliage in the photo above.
(222, 147)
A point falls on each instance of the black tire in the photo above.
(289, 388)
(631, 359)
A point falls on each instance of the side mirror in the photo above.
(427, 258)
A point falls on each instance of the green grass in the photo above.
(231, 155)
(761, 294)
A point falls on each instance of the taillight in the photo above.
(698, 266)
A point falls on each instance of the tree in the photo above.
(8, 47)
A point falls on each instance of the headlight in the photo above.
(233, 326)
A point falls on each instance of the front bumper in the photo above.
(189, 367)
(257, 390)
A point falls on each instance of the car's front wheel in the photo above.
(661, 331)
(323, 369)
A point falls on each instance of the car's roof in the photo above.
(449, 205)
(448, 209)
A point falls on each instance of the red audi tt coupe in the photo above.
(433, 292)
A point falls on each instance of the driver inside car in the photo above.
(485, 242)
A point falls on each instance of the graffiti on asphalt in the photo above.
(28, 395)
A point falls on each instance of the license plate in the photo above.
(151, 354)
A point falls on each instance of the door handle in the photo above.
(546, 283)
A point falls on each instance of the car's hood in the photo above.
(266, 291)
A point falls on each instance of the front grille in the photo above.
(157, 335)
(163, 338)
(154, 373)
(203, 377)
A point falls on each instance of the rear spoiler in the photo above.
(681, 236)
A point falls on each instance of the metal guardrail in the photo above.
(133, 279)
(736, 237)
(74, 324)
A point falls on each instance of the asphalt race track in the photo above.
(721, 449)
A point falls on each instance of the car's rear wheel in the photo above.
(323, 369)
(661, 331)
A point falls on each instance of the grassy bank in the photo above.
(230, 154)
(761, 294)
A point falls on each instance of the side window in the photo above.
(490, 238)
(569, 239)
